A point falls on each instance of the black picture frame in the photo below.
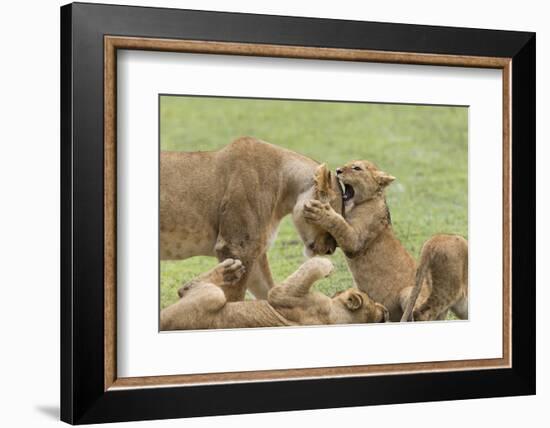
(83, 399)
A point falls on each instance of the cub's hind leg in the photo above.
(447, 293)
(460, 308)
(298, 285)
(443, 295)
(435, 308)
(443, 315)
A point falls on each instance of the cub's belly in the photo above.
(371, 279)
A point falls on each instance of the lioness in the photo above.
(204, 305)
(444, 267)
(228, 203)
(378, 262)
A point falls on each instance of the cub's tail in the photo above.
(421, 272)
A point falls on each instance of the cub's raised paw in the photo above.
(315, 211)
(225, 272)
(233, 270)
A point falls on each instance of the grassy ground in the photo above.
(425, 147)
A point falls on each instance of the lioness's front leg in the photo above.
(241, 235)
(260, 281)
(224, 250)
(323, 215)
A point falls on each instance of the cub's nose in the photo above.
(339, 171)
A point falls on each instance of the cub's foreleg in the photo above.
(323, 215)
(352, 235)
(224, 274)
(201, 299)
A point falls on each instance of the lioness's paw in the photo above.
(233, 270)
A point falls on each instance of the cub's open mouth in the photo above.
(348, 192)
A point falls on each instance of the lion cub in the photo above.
(378, 262)
(203, 304)
(444, 267)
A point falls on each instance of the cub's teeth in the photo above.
(342, 186)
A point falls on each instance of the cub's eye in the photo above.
(357, 168)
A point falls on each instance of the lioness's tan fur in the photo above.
(444, 267)
(228, 204)
(379, 263)
(203, 304)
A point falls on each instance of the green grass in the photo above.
(425, 147)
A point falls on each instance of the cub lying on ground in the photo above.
(203, 303)
(444, 267)
(378, 262)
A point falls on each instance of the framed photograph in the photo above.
(266, 213)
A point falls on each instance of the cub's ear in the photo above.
(323, 181)
(354, 301)
(383, 178)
